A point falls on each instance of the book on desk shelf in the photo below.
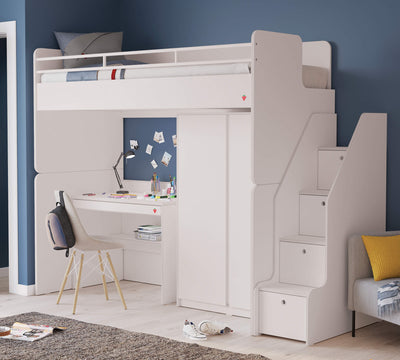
(148, 232)
(150, 229)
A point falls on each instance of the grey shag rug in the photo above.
(86, 341)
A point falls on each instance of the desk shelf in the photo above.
(129, 241)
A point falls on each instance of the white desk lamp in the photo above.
(128, 155)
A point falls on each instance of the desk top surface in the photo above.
(140, 199)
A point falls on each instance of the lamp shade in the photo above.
(129, 154)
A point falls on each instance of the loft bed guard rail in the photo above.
(216, 54)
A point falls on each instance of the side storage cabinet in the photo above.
(283, 315)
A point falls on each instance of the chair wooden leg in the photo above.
(116, 280)
(65, 277)
(353, 324)
(78, 282)
(103, 276)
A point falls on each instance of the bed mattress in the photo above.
(313, 77)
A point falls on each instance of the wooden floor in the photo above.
(380, 341)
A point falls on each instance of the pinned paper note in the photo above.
(154, 164)
(158, 137)
(134, 144)
(174, 140)
(149, 149)
(166, 158)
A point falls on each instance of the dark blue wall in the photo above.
(364, 35)
(142, 130)
(3, 157)
(14, 10)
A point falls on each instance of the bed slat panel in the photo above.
(196, 92)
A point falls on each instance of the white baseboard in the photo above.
(24, 290)
(4, 272)
(214, 308)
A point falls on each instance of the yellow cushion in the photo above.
(384, 255)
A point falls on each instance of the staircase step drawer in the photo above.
(283, 315)
(312, 215)
(329, 162)
(302, 264)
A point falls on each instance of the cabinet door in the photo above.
(302, 264)
(202, 209)
(240, 190)
(283, 315)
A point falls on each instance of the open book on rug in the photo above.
(30, 332)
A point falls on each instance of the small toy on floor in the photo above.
(209, 327)
(206, 327)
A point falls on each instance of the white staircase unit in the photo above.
(348, 195)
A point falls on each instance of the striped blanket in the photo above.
(389, 298)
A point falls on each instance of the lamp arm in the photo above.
(116, 171)
(119, 159)
(118, 178)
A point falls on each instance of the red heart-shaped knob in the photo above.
(154, 210)
(244, 97)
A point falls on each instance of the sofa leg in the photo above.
(353, 323)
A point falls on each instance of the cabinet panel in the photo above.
(329, 162)
(143, 266)
(240, 189)
(283, 315)
(302, 264)
(312, 215)
(202, 196)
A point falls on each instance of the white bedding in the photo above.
(313, 77)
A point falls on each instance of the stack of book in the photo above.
(148, 232)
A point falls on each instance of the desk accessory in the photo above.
(155, 184)
(128, 155)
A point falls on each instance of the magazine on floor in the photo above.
(30, 332)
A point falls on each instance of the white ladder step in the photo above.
(314, 192)
(289, 289)
(305, 239)
(335, 148)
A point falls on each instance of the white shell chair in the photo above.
(83, 243)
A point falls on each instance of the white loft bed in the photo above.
(232, 63)
(266, 111)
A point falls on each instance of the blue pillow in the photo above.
(91, 43)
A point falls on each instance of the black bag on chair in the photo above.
(59, 227)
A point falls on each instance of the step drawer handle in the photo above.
(342, 157)
(323, 203)
(283, 302)
(304, 251)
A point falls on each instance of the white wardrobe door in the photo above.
(240, 190)
(202, 192)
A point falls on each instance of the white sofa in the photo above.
(362, 288)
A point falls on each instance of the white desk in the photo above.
(166, 209)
